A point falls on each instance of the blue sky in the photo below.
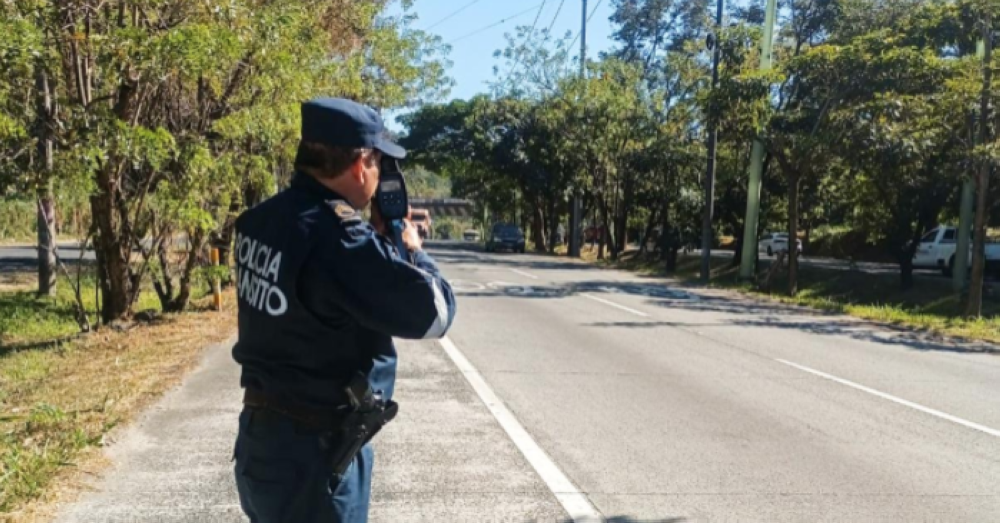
(472, 55)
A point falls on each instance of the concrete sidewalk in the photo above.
(444, 458)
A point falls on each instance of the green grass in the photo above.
(27, 319)
(61, 392)
(930, 305)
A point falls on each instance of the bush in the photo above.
(844, 243)
(450, 227)
(17, 220)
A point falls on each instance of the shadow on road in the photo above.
(737, 311)
(884, 334)
(468, 252)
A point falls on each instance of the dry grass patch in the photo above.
(60, 399)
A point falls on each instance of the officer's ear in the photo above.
(357, 169)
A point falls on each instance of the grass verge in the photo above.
(930, 305)
(61, 394)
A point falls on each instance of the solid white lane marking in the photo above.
(526, 275)
(894, 399)
(575, 502)
(615, 305)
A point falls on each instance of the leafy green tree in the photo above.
(179, 113)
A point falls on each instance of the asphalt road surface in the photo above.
(660, 403)
(25, 257)
(569, 393)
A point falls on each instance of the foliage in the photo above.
(170, 117)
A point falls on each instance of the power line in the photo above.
(558, 10)
(537, 16)
(506, 19)
(452, 14)
(531, 32)
(591, 15)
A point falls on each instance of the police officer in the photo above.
(321, 294)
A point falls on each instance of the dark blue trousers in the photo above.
(283, 474)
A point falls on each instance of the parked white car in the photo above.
(471, 235)
(775, 242)
(938, 246)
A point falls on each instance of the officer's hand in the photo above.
(411, 239)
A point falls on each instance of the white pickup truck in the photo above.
(937, 251)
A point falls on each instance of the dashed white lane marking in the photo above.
(615, 305)
(576, 503)
(525, 274)
(894, 399)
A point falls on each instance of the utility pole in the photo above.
(959, 271)
(748, 260)
(974, 308)
(713, 138)
(574, 216)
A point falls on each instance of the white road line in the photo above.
(575, 502)
(526, 275)
(890, 397)
(615, 305)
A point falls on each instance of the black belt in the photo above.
(317, 418)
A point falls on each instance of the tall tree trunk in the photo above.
(224, 241)
(114, 237)
(664, 240)
(621, 234)
(538, 228)
(738, 253)
(906, 273)
(116, 281)
(553, 224)
(793, 233)
(165, 287)
(904, 255)
(196, 243)
(648, 231)
(602, 229)
(46, 209)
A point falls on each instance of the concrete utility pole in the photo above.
(959, 272)
(574, 216)
(974, 307)
(713, 138)
(748, 261)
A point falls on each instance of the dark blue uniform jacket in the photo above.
(321, 295)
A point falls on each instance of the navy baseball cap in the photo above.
(340, 122)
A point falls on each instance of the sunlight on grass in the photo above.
(60, 393)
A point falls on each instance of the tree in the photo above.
(178, 113)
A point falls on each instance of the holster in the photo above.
(370, 413)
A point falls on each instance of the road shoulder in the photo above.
(443, 459)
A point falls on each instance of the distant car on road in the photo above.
(471, 235)
(505, 237)
(775, 242)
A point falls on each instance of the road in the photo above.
(21, 256)
(569, 393)
(659, 403)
